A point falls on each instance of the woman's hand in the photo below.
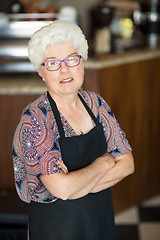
(76, 184)
(108, 158)
(123, 166)
(63, 166)
(102, 173)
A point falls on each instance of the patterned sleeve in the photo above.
(34, 153)
(117, 144)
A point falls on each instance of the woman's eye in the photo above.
(53, 63)
(71, 59)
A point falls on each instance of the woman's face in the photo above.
(66, 80)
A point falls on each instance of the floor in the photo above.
(136, 223)
(140, 222)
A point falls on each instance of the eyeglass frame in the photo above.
(60, 61)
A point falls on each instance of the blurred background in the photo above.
(123, 67)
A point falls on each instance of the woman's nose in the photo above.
(64, 67)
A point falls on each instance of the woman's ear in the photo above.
(40, 74)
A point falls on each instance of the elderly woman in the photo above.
(68, 148)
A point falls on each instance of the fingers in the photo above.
(63, 166)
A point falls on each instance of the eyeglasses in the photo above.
(55, 64)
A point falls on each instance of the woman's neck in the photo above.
(70, 101)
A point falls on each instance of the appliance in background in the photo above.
(101, 17)
(69, 13)
(17, 24)
(148, 19)
(16, 30)
(112, 27)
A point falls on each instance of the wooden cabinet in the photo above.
(11, 107)
(133, 92)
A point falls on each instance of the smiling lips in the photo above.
(67, 80)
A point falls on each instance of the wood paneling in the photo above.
(133, 93)
(11, 108)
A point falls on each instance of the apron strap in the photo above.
(57, 114)
(88, 109)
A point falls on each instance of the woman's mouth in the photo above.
(67, 80)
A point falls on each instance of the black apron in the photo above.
(88, 218)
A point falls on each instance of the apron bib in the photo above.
(88, 218)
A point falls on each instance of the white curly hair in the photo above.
(56, 32)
